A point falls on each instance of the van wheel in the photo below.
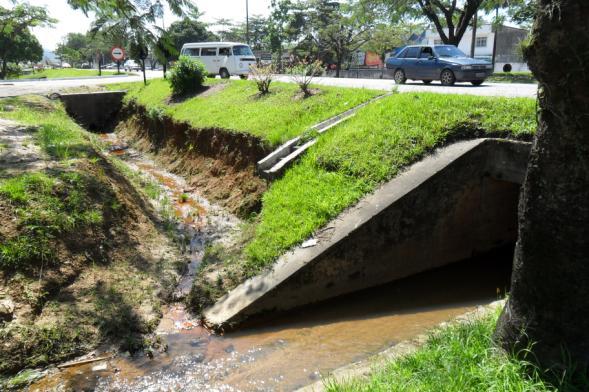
(243, 77)
(447, 77)
(224, 73)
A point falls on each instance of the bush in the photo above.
(262, 75)
(13, 70)
(187, 76)
(303, 73)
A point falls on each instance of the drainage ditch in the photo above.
(281, 353)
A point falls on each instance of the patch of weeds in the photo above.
(460, 357)
(155, 113)
(33, 346)
(47, 205)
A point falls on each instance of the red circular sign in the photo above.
(117, 54)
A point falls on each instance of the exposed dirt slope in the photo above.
(83, 259)
(220, 163)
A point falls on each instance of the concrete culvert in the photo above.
(460, 201)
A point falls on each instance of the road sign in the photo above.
(117, 54)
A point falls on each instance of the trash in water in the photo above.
(100, 367)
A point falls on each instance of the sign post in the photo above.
(118, 55)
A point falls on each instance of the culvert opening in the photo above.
(478, 280)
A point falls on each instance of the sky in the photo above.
(76, 21)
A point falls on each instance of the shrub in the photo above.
(13, 70)
(262, 75)
(303, 73)
(187, 76)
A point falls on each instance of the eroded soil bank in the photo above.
(84, 259)
(220, 163)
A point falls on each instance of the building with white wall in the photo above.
(507, 50)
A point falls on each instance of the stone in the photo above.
(6, 309)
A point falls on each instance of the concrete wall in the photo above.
(94, 111)
(460, 201)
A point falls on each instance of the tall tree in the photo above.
(338, 29)
(188, 30)
(450, 17)
(549, 300)
(14, 26)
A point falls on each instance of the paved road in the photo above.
(487, 89)
(48, 86)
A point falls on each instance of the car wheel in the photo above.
(224, 73)
(426, 81)
(447, 77)
(243, 77)
(400, 77)
(477, 82)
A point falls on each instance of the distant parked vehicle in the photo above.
(132, 65)
(222, 58)
(446, 63)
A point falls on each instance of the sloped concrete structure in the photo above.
(457, 202)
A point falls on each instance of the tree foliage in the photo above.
(188, 30)
(16, 41)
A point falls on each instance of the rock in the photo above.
(6, 309)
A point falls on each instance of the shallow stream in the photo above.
(289, 351)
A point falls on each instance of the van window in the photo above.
(191, 51)
(242, 50)
(224, 51)
(208, 51)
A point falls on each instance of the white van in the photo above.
(222, 58)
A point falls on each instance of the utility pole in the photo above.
(474, 34)
(247, 23)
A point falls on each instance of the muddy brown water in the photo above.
(288, 351)
(296, 349)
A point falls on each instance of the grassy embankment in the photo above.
(80, 256)
(350, 161)
(236, 106)
(460, 357)
(512, 77)
(67, 73)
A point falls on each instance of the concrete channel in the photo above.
(458, 202)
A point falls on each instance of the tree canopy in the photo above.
(17, 44)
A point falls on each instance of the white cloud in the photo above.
(76, 21)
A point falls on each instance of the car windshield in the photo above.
(242, 50)
(449, 51)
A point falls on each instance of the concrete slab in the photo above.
(459, 201)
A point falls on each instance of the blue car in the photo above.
(446, 63)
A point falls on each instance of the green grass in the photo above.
(46, 205)
(512, 77)
(458, 358)
(67, 73)
(56, 134)
(275, 117)
(367, 150)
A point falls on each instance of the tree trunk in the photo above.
(143, 69)
(4, 69)
(549, 300)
